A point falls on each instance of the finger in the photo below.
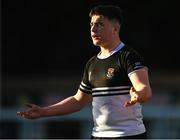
(126, 104)
(25, 115)
(132, 89)
(22, 114)
(134, 98)
(19, 113)
(130, 103)
(29, 105)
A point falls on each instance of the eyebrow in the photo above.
(98, 22)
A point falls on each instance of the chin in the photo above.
(97, 43)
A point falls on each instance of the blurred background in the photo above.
(45, 45)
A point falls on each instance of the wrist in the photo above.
(44, 112)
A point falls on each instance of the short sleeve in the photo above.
(85, 85)
(133, 61)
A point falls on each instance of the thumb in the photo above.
(130, 103)
(132, 89)
(29, 105)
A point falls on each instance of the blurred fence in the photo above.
(161, 114)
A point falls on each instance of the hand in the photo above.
(32, 112)
(134, 98)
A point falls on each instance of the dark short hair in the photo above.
(112, 12)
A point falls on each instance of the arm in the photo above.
(69, 105)
(141, 90)
(66, 106)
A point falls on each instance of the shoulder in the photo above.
(91, 61)
(129, 57)
(127, 50)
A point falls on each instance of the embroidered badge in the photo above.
(110, 73)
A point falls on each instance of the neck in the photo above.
(107, 49)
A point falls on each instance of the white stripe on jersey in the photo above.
(83, 84)
(81, 87)
(85, 88)
(109, 88)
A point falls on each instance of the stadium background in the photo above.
(45, 45)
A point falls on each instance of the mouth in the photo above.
(95, 37)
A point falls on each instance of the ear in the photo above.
(116, 27)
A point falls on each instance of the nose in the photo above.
(93, 28)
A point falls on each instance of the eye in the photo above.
(99, 24)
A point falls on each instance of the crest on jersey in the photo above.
(110, 73)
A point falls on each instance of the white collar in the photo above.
(120, 46)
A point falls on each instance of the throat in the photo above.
(105, 53)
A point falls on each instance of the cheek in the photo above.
(107, 34)
(99, 29)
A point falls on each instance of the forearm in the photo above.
(141, 85)
(67, 106)
(144, 93)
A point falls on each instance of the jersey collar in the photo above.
(119, 47)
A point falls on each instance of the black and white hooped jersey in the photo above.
(107, 80)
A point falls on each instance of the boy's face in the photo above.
(102, 30)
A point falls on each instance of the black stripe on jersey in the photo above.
(108, 91)
(85, 91)
(100, 95)
(105, 89)
(84, 88)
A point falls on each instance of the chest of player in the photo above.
(107, 72)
